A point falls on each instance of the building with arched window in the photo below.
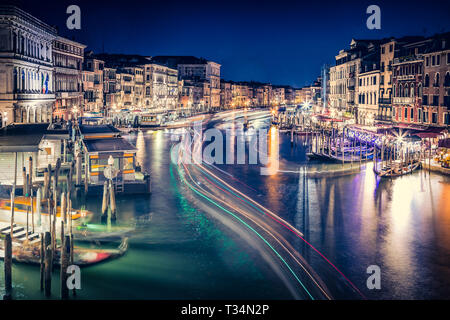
(368, 96)
(436, 89)
(68, 58)
(26, 67)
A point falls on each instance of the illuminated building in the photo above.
(26, 67)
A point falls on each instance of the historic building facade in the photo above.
(387, 51)
(436, 83)
(111, 93)
(407, 90)
(278, 96)
(226, 94)
(362, 56)
(68, 59)
(200, 73)
(92, 84)
(368, 96)
(130, 88)
(161, 90)
(26, 68)
(342, 81)
(240, 95)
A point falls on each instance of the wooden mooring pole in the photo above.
(78, 169)
(65, 254)
(48, 264)
(30, 172)
(105, 199)
(112, 200)
(25, 182)
(42, 261)
(8, 267)
(45, 195)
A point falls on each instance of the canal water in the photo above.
(178, 252)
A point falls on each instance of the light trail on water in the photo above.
(275, 217)
(275, 236)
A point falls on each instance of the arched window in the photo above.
(436, 80)
(427, 80)
(447, 80)
(411, 93)
(419, 90)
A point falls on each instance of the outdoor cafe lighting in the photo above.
(306, 104)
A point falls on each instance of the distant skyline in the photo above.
(281, 42)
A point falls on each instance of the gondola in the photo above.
(396, 169)
(82, 256)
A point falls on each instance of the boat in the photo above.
(348, 158)
(82, 256)
(316, 156)
(150, 120)
(101, 232)
(22, 206)
(185, 122)
(396, 169)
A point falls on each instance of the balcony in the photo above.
(34, 96)
(384, 101)
(404, 100)
(383, 118)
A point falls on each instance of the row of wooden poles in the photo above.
(48, 238)
(324, 143)
(389, 152)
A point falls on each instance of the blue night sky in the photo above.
(281, 42)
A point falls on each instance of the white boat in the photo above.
(184, 122)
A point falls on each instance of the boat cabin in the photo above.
(43, 142)
(98, 152)
(99, 143)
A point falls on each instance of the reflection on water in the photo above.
(401, 225)
(178, 254)
(358, 220)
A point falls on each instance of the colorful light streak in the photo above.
(266, 212)
(253, 230)
(290, 228)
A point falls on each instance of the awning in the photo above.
(431, 132)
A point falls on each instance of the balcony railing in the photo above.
(385, 101)
(383, 118)
(403, 100)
